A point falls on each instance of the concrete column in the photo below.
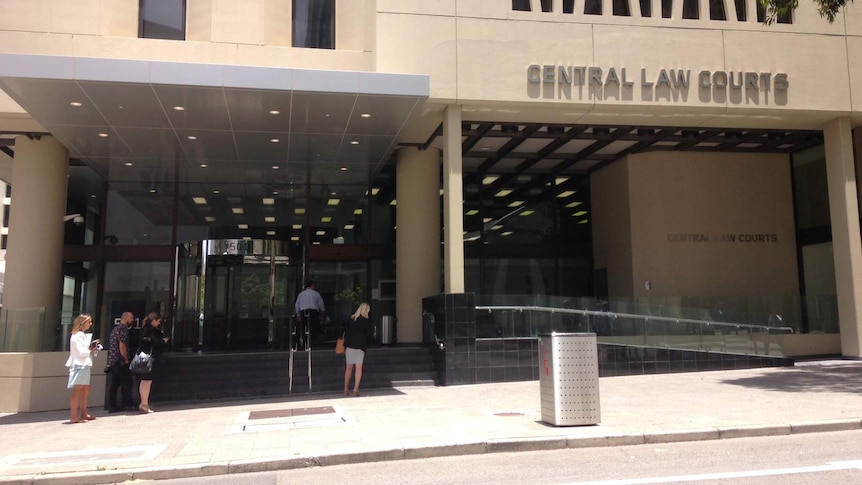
(846, 241)
(417, 237)
(34, 256)
(453, 201)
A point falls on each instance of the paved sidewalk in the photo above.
(305, 430)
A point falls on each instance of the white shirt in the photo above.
(79, 350)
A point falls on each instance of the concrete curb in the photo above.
(476, 448)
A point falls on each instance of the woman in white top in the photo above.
(81, 348)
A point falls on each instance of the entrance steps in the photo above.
(204, 376)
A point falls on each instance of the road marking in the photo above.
(834, 466)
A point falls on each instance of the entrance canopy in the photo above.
(215, 128)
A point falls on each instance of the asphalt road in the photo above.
(817, 458)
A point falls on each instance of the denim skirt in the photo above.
(79, 375)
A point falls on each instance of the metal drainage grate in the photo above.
(290, 412)
(85, 456)
(293, 425)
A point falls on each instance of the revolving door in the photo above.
(235, 294)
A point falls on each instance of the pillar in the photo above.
(34, 256)
(453, 201)
(846, 240)
(417, 237)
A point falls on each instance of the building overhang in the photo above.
(131, 120)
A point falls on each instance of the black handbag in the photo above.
(142, 363)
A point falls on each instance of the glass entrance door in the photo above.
(234, 295)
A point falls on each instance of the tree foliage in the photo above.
(827, 9)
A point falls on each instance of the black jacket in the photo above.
(356, 335)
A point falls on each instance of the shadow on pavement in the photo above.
(808, 378)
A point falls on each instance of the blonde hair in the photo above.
(152, 316)
(362, 311)
(79, 321)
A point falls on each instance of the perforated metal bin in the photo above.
(569, 379)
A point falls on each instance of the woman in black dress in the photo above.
(153, 342)
(355, 343)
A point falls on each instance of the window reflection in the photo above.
(163, 19)
(314, 24)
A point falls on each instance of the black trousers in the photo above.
(121, 379)
(309, 320)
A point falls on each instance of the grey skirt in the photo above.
(354, 356)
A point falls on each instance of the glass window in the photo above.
(741, 12)
(690, 9)
(314, 24)
(162, 19)
(810, 191)
(646, 8)
(621, 8)
(716, 10)
(521, 5)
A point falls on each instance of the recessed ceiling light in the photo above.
(274, 140)
(93, 196)
(393, 202)
(237, 210)
(270, 233)
(269, 219)
(274, 192)
(294, 238)
(199, 200)
(320, 233)
(472, 212)
(565, 194)
(152, 191)
(299, 210)
(274, 112)
(179, 108)
(354, 142)
(526, 213)
(76, 104)
(242, 226)
(516, 203)
(585, 221)
(103, 135)
(560, 180)
(268, 201)
(579, 213)
(209, 218)
(215, 191)
(507, 233)
(333, 201)
(296, 226)
(203, 165)
(357, 212)
(503, 193)
(496, 227)
(374, 190)
(349, 226)
(441, 191)
(487, 220)
(275, 167)
(343, 169)
(192, 137)
(366, 115)
(326, 219)
(489, 179)
(574, 204)
(128, 164)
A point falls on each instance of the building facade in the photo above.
(203, 158)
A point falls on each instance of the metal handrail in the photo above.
(631, 315)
